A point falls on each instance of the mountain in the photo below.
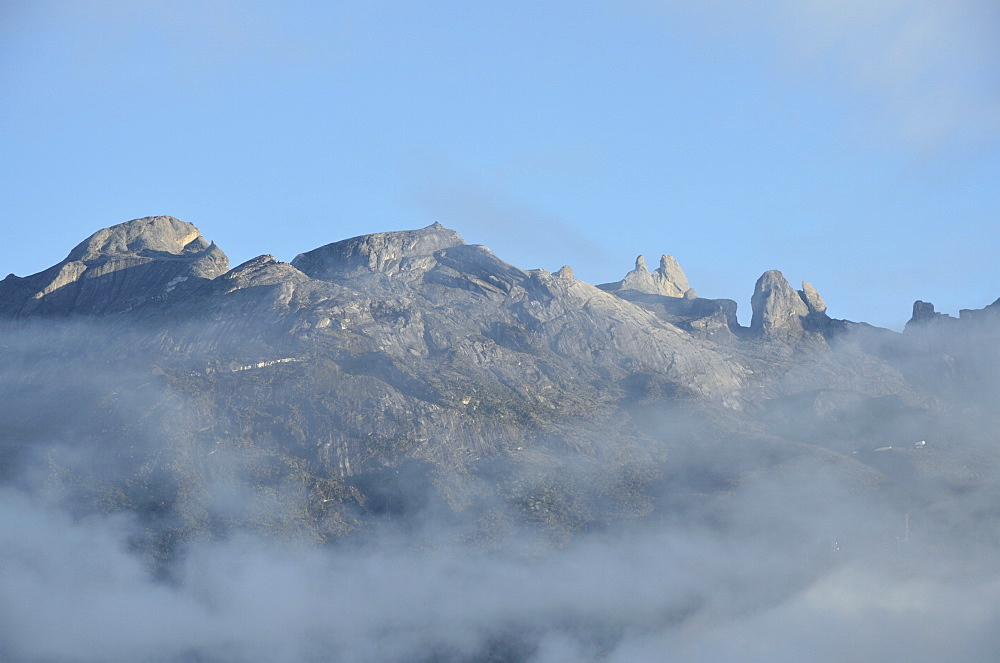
(415, 347)
(410, 380)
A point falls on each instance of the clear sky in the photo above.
(854, 144)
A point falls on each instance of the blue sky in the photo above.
(854, 144)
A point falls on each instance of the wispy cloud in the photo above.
(513, 228)
(930, 68)
(926, 70)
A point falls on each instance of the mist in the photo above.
(138, 523)
(773, 572)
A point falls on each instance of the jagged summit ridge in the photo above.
(667, 280)
(440, 343)
(438, 404)
(924, 315)
(161, 258)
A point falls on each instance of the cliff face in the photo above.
(377, 352)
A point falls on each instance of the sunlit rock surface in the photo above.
(667, 280)
(119, 268)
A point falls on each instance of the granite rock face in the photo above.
(667, 293)
(670, 277)
(811, 297)
(117, 269)
(668, 280)
(386, 253)
(780, 311)
(154, 236)
(777, 307)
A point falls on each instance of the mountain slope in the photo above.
(413, 358)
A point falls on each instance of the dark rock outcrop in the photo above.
(924, 313)
(924, 316)
(989, 313)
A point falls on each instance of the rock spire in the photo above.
(780, 310)
(668, 280)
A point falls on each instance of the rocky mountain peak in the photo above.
(777, 307)
(923, 311)
(639, 279)
(780, 310)
(445, 413)
(668, 280)
(387, 252)
(151, 236)
(669, 276)
(117, 269)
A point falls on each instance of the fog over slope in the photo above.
(401, 448)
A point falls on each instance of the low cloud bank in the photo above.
(776, 571)
(149, 543)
